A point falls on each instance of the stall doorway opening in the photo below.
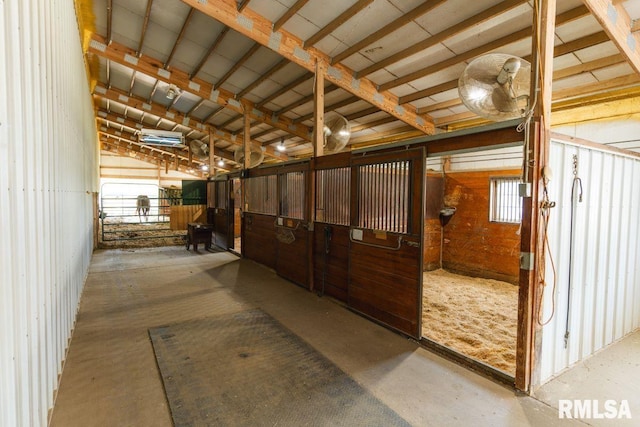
(471, 256)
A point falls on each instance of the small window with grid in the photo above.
(504, 201)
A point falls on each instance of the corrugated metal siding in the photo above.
(48, 171)
(605, 281)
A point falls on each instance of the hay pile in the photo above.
(473, 316)
(138, 235)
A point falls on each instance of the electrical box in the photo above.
(524, 189)
(356, 234)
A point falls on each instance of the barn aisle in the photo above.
(111, 377)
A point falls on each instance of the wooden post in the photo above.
(318, 110)
(537, 148)
(246, 138)
(212, 148)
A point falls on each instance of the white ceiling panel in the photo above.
(578, 28)
(395, 42)
(578, 80)
(599, 51)
(612, 72)
(380, 13)
(450, 13)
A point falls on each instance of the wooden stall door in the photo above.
(223, 213)
(291, 226)
(385, 252)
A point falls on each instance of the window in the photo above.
(261, 194)
(383, 196)
(292, 189)
(333, 187)
(504, 200)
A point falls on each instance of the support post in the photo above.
(536, 150)
(246, 142)
(318, 110)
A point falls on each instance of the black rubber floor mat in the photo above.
(246, 369)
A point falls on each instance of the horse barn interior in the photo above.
(415, 193)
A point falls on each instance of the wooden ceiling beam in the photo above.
(259, 29)
(362, 113)
(238, 64)
(481, 17)
(198, 87)
(109, 20)
(290, 86)
(167, 63)
(133, 125)
(264, 77)
(618, 25)
(331, 107)
(174, 117)
(122, 148)
(369, 125)
(288, 14)
(211, 49)
(145, 24)
(495, 44)
(336, 23)
(398, 23)
(305, 100)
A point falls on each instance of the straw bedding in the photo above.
(473, 316)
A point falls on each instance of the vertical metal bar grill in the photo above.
(221, 194)
(292, 194)
(383, 196)
(505, 204)
(333, 194)
(261, 195)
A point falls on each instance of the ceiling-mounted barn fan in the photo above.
(496, 86)
(337, 132)
(255, 159)
(199, 149)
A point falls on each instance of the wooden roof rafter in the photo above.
(398, 23)
(135, 127)
(495, 44)
(489, 13)
(174, 117)
(259, 29)
(618, 25)
(337, 22)
(211, 49)
(198, 87)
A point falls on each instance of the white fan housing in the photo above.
(199, 149)
(337, 132)
(496, 86)
(256, 158)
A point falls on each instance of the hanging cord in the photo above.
(576, 180)
(545, 219)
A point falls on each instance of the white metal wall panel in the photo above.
(605, 282)
(48, 172)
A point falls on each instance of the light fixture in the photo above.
(205, 168)
(220, 162)
(281, 146)
(173, 91)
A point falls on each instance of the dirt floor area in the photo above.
(473, 316)
(138, 235)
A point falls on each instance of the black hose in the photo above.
(573, 188)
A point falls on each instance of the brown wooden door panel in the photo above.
(259, 242)
(292, 260)
(331, 270)
(385, 267)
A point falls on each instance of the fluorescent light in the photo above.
(161, 137)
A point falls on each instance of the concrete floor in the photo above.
(111, 378)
